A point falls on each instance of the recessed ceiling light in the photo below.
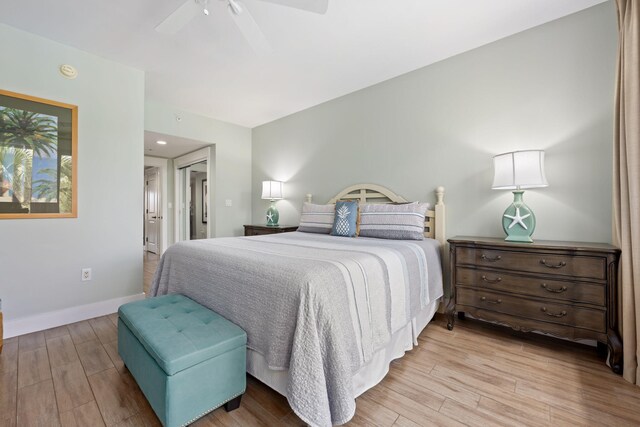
(161, 142)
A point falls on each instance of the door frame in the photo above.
(198, 156)
(163, 168)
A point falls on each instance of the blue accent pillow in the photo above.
(345, 222)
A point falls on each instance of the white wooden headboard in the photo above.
(434, 224)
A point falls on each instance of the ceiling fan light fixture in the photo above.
(235, 7)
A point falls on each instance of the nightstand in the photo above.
(257, 230)
(566, 289)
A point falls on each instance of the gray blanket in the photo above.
(317, 305)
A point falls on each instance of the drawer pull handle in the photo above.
(561, 314)
(499, 279)
(484, 299)
(559, 265)
(486, 258)
(556, 290)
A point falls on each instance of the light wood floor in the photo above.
(150, 264)
(476, 375)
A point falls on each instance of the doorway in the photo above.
(152, 210)
(163, 200)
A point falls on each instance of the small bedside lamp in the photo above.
(272, 190)
(516, 171)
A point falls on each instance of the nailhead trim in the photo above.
(212, 409)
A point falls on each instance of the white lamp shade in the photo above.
(271, 190)
(518, 170)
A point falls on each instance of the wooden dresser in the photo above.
(256, 230)
(566, 289)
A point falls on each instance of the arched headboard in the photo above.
(434, 224)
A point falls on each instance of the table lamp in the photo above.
(272, 190)
(516, 171)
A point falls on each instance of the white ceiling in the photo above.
(208, 68)
(175, 146)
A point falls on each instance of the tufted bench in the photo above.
(187, 359)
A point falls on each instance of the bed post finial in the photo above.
(440, 214)
(439, 195)
(308, 197)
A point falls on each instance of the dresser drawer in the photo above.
(547, 311)
(582, 292)
(588, 267)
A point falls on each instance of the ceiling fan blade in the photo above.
(180, 17)
(251, 31)
(315, 6)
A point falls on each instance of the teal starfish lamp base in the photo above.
(272, 215)
(518, 221)
(516, 171)
(272, 190)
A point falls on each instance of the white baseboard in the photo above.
(52, 319)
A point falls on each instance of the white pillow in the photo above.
(388, 221)
(317, 218)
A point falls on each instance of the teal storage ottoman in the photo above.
(187, 359)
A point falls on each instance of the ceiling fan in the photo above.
(241, 16)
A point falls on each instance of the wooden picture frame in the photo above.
(38, 157)
(205, 202)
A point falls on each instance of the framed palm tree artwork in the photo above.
(38, 157)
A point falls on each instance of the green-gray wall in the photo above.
(41, 259)
(548, 88)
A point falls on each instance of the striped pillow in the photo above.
(317, 218)
(401, 222)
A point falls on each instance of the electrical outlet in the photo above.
(228, 203)
(86, 274)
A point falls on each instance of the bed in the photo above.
(324, 315)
